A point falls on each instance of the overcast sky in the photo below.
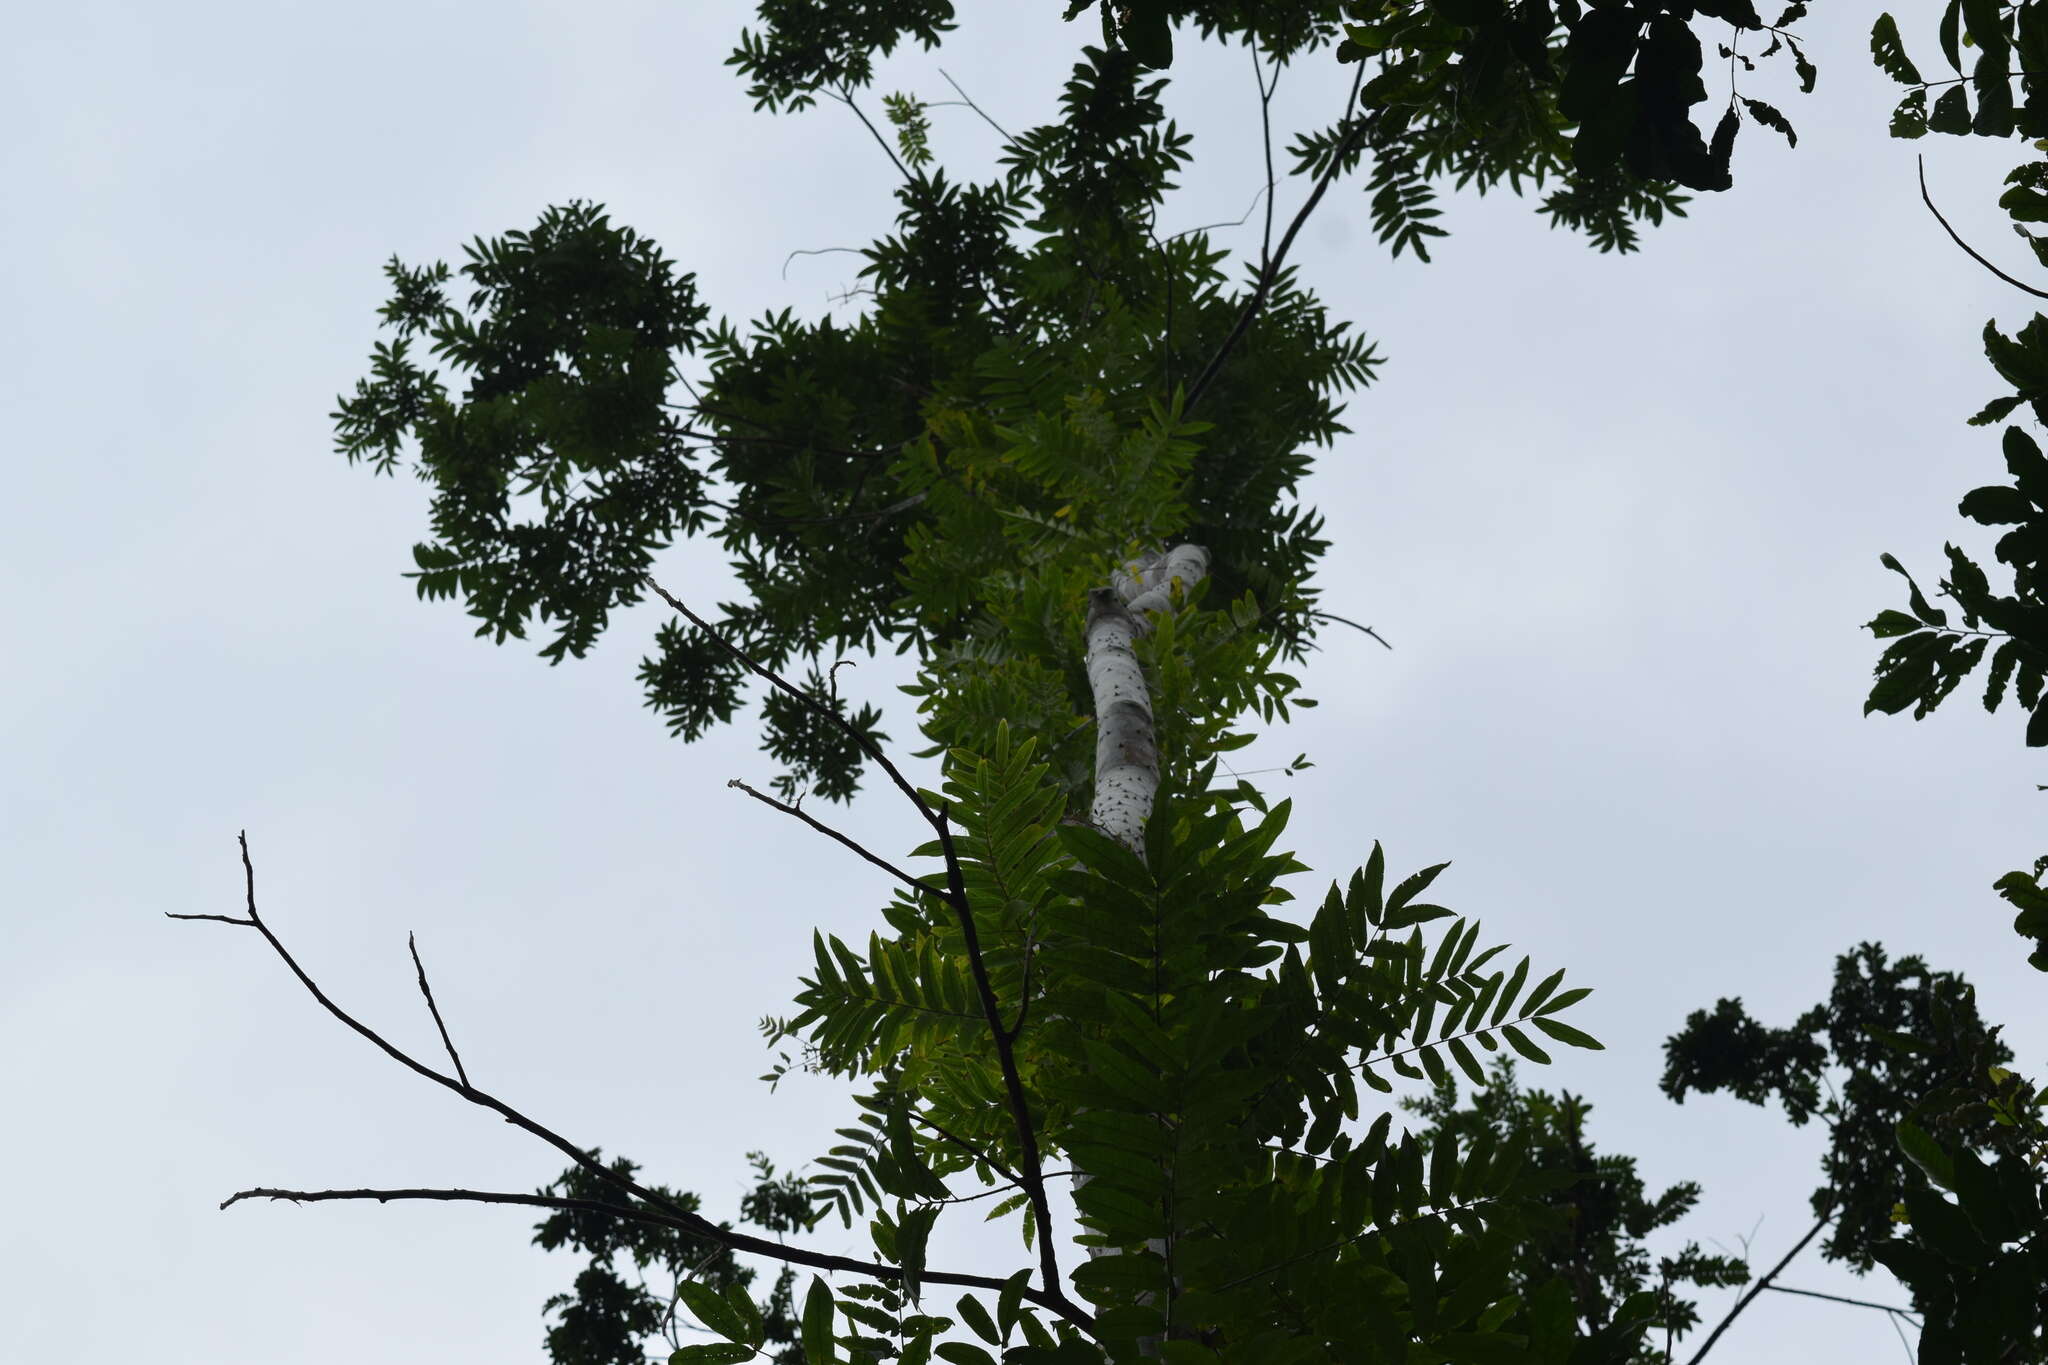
(1620, 518)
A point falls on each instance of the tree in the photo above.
(1595, 1218)
(1000, 466)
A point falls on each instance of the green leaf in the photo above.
(1890, 52)
(1887, 624)
(1770, 118)
(817, 1324)
(1509, 991)
(1009, 1301)
(975, 1315)
(1565, 1033)
(1534, 1004)
(710, 1308)
(1977, 1190)
(756, 1331)
(712, 1353)
(1924, 1152)
(1951, 112)
(1519, 1041)
(1564, 1000)
(960, 1353)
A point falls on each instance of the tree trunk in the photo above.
(1126, 753)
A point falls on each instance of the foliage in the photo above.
(1178, 1044)
(1927, 657)
(1979, 1262)
(1596, 98)
(1599, 1216)
(1907, 1042)
(1009, 417)
(605, 1319)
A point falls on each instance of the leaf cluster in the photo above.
(1591, 1231)
(1976, 1263)
(1203, 1059)
(604, 1318)
(1904, 1038)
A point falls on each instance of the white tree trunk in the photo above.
(1126, 753)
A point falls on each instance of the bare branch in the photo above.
(775, 1250)
(817, 251)
(1347, 621)
(435, 1010)
(978, 1153)
(845, 96)
(1956, 237)
(1054, 1299)
(898, 873)
(1271, 269)
(810, 703)
(1906, 1313)
(1761, 1285)
(968, 100)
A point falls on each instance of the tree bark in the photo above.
(1126, 751)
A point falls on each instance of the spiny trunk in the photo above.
(1126, 753)
(1126, 750)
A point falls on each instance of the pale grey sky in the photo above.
(1620, 517)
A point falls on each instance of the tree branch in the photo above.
(1761, 1285)
(1053, 1300)
(1837, 1298)
(898, 873)
(777, 1250)
(808, 702)
(1347, 621)
(1033, 1174)
(1271, 269)
(1968, 250)
(433, 1009)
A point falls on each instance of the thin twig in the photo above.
(808, 702)
(1347, 621)
(968, 100)
(1266, 136)
(1271, 270)
(1906, 1313)
(1761, 1285)
(817, 251)
(1238, 221)
(787, 809)
(845, 96)
(1956, 237)
(1054, 1300)
(978, 1153)
(433, 1009)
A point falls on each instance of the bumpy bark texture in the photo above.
(1126, 755)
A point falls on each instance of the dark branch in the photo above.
(845, 97)
(777, 1250)
(1837, 1298)
(655, 1203)
(968, 100)
(435, 1010)
(898, 873)
(817, 251)
(968, 1147)
(810, 703)
(1761, 1285)
(1033, 1175)
(1347, 621)
(1956, 237)
(1271, 268)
